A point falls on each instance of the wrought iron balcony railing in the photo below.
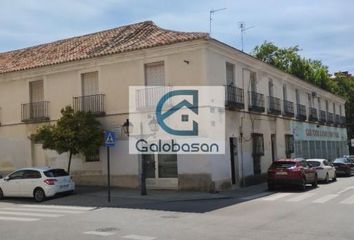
(301, 112)
(313, 115)
(255, 101)
(274, 106)
(330, 118)
(234, 98)
(337, 120)
(90, 103)
(288, 108)
(35, 112)
(323, 117)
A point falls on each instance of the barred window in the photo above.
(95, 157)
(289, 144)
(258, 144)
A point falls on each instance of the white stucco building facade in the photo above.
(269, 114)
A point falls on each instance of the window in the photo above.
(230, 74)
(270, 87)
(258, 144)
(89, 83)
(31, 174)
(334, 108)
(297, 96)
(289, 144)
(36, 91)
(285, 92)
(167, 166)
(17, 175)
(155, 74)
(56, 173)
(95, 157)
(253, 78)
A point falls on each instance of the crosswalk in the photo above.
(310, 197)
(31, 213)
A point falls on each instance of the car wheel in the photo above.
(39, 195)
(1, 194)
(303, 184)
(314, 184)
(348, 174)
(327, 178)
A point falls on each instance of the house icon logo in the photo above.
(163, 116)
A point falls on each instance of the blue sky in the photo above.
(323, 29)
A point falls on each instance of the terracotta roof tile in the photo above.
(122, 39)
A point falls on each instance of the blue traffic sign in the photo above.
(109, 139)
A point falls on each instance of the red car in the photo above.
(291, 172)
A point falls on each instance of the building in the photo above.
(270, 114)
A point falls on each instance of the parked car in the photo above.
(344, 166)
(325, 170)
(291, 172)
(38, 183)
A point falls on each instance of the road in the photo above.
(322, 213)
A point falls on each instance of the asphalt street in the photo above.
(322, 213)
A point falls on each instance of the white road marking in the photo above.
(29, 214)
(276, 196)
(301, 197)
(57, 207)
(345, 190)
(103, 234)
(138, 237)
(41, 210)
(18, 219)
(256, 196)
(325, 198)
(349, 200)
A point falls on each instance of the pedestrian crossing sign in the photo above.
(109, 139)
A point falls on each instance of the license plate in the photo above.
(64, 186)
(281, 173)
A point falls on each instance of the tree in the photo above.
(289, 60)
(75, 132)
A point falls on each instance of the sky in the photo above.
(323, 29)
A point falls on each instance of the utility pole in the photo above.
(211, 12)
(243, 29)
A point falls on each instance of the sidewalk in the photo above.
(180, 201)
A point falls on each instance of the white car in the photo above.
(38, 183)
(325, 170)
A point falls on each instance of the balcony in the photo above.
(288, 108)
(35, 112)
(337, 120)
(147, 98)
(234, 98)
(90, 103)
(343, 121)
(255, 102)
(323, 118)
(313, 115)
(330, 119)
(301, 112)
(274, 106)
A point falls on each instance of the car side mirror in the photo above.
(7, 178)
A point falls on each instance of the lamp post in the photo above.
(127, 128)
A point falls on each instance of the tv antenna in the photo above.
(211, 13)
(243, 29)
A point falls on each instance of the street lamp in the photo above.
(128, 128)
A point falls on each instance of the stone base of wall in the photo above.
(196, 182)
(255, 179)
